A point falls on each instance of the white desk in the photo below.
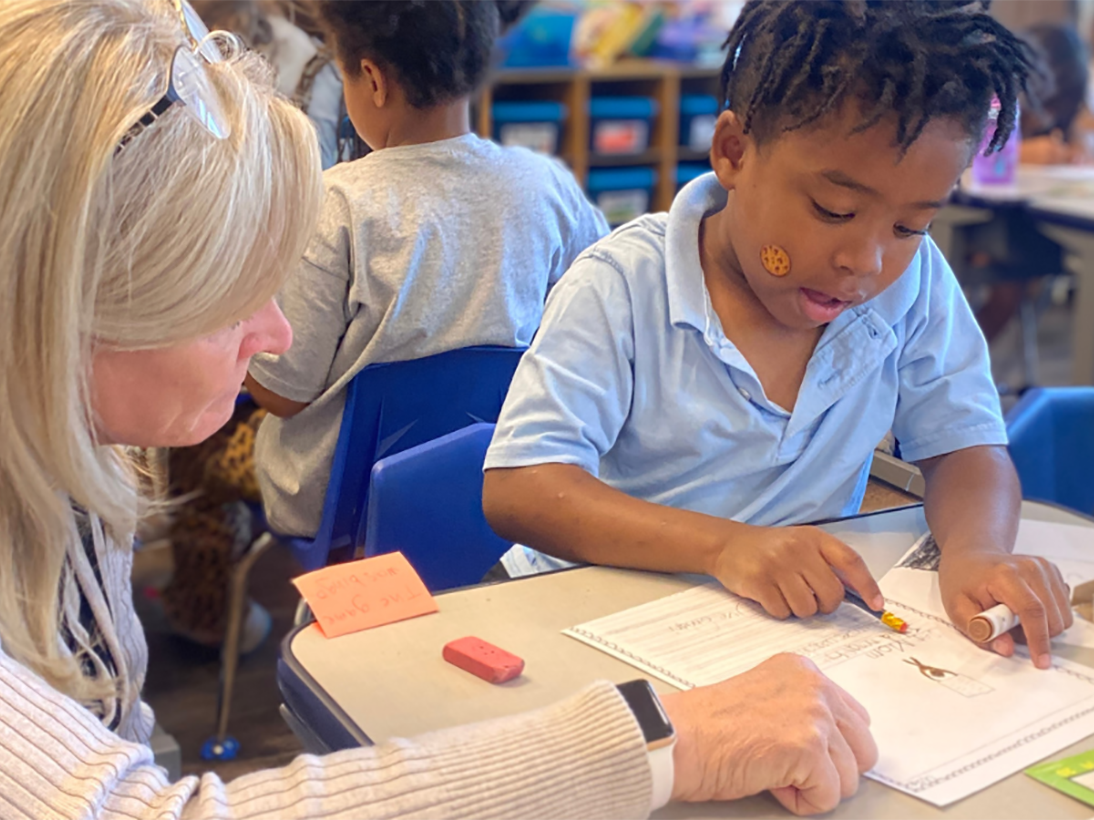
(393, 682)
(1060, 201)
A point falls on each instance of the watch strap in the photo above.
(659, 735)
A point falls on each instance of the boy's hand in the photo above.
(793, 570)
(972, 581)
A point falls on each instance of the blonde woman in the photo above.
(151, 200)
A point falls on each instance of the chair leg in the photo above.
(221, 746)
(1030, 358)
(303, 613)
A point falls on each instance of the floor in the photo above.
(182, 679)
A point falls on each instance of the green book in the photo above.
(1073, 776)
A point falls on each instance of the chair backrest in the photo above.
(1051, 432)
(427, 503)
(391, 407)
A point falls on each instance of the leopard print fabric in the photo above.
(211, 525)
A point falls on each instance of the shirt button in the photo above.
(744, 394)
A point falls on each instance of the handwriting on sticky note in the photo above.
(362, 594)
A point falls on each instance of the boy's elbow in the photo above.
(285, 408)
(270, 401)
(498, 505)
(495, 505)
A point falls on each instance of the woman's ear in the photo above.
(730, 149)
(379, 84)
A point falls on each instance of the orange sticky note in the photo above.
(362, 594)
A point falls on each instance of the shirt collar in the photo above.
(683, 271)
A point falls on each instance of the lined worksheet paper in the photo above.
(705, 635)
(949, 718)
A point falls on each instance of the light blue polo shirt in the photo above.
(632, 378)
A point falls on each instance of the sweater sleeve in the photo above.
(582, 757)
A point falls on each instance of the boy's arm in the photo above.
(787, 570)
(973, 500)
(269, 400)
(949, 422)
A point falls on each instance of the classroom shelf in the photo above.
(689, 155)
(662, 81)
(651, 157)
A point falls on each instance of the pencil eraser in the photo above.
(482, 659)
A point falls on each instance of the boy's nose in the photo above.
(863, 258)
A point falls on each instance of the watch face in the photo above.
(647, 710)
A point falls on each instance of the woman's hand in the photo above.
(782, 727)
(793, 570)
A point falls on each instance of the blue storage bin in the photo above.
(621, 125)
(534, 125)
(540, 40)
(1051, 432)
(687, 171)
(622, 193)
(698, 113)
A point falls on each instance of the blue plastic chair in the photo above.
(1051, 432)
(391, 407)
(427, 503)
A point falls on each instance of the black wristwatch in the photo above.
(648, 711)
(659, 734)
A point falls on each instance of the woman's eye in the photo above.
(831, 216)
(909, 232)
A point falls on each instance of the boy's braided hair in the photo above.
(439, 50)
(791, 63)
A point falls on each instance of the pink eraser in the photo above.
(482, 659)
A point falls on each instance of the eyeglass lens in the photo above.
(193, 88)
(199, 33)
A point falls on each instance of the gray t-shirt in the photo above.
(420, 249)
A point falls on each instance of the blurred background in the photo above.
(625, 94)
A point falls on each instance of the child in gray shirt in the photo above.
(436, 240)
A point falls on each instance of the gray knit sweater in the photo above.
(583, 757)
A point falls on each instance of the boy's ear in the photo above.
(729, 149)
(380, 88)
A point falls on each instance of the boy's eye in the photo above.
(905, 232)
(831, 216)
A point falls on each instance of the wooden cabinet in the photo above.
(662, 81)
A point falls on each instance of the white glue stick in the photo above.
(991, 623)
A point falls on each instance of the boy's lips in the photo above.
(819, 306)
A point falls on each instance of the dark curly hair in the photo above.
(791, 63)
(439, 50)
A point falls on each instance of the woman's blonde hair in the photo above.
(178, 235)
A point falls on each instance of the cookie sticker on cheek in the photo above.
(776, 261)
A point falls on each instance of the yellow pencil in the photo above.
(888, 618)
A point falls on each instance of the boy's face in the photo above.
(848, 210)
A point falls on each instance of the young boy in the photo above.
(436, 240)
(707, 380)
